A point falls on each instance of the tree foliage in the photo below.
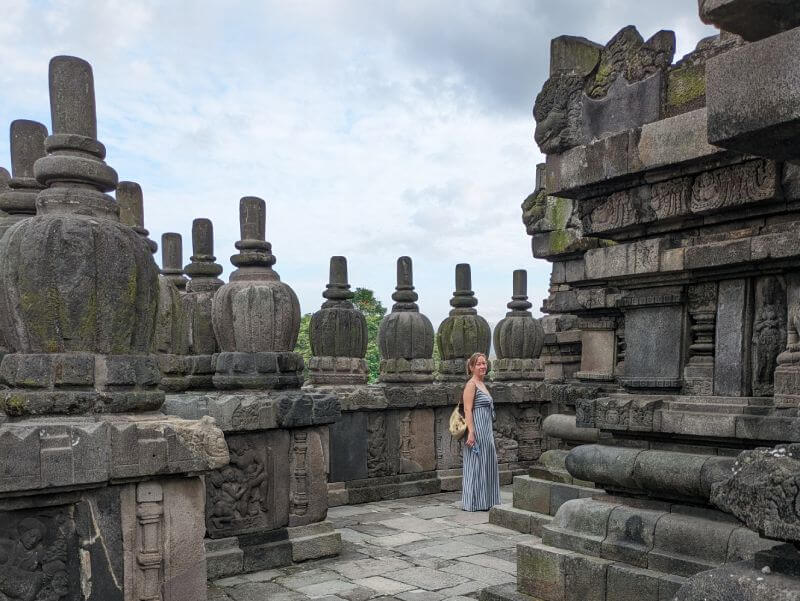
(365, 301)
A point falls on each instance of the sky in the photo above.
(372, 129)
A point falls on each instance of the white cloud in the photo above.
(372, 129)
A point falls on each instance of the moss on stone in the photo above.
(686, 85)
(559, 241)
(13, 405)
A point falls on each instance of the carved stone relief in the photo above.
(505, 433)
(448, 450)
(529, 434)
(769, 332)
(376, 449)
(38, 551)
(735, 186)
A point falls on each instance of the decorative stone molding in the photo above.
(518, 337)
(18, 200)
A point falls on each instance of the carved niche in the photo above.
(38, 556)
(769, 333)
(239, 496)
(505, 435)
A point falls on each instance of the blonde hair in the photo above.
(473, 359)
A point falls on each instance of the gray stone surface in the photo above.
(172, 259)
(405, 336)
(752, 95)
(18, 196)
(734, 314)
(518, 337)
(349, 445)
(753, 20)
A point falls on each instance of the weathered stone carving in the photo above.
(239, 496)
(300, 475)
(464, 332)
(405, 336)
(505, 436)
(787, 374)
(376, 449)
(529, 434)
(256, 317)
(557, 110)
(78, 287)
(149, 537)
(201, 341)
(338, 334)
(754, 181)
(769, 333)
(699, 371)
(518, 337)
(37, 550)
(169, 342)
(172, 260)
(18, 198)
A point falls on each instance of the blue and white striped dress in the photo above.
(480, 488)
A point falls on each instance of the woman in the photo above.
(480, 489)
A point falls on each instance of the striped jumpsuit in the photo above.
(481, 483)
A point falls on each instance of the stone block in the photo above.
(675, 140)
(626, 583)
(510, 517)
(579, 525)
(265, 550)
(541, 571)
(223, 558)
(630, 534)
(625, 106)
(308, 472)
(410, 441)
(752, 95)
(598, 352)
(685, 544)
(348, 440)
(560, 494)
(532, 494)
(654, 345)
(314, 541)
(448, 449)
(732, 340)
(574, 54)
(751, 19)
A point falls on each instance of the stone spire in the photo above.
(464, 332)
(338, 334)
(405, 337)
(203, 271)
(18, 200)
(257, 343)
(74, 281)
(169, 342)
(518, 337)
(172, 260)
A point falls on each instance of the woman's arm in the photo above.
(468, 398)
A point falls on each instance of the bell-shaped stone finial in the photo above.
(463, 332)
(169, 342)
(18, 200)
(130, 201)
(338, 333)
(256, 317)
(89, 283)
(518, 337)
(203, 271)
(172, 259)
(405, 336)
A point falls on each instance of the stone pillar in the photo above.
(699, 371)
(172, 260)
(201, 341)
(27, 146)
(169, 342)
(257, 344)
(338, 334)
(405, 337)
(464, 332)
(518, 338)
(89, 466)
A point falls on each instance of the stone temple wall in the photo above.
(669, 208)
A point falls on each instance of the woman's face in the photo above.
(480, 367)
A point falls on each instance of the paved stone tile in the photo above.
(420, 595)
(395, 540)
(495, 563)
(459, 598)
(435, 563)
(451, 550)
(471, 517)
(492, 529)
(435, 511)
(412, 524)
(329, 587)
(487, 541)
(483, 574)
(351, 536)
(258, 591)
(262, 576)
(427, 578)
(232, 581)
(217, 594)
(467, 587)
(375, 529)
(307, 577)
(364, 568)
(507, 554)
(384, 586)
(344, 511)
(360, 593)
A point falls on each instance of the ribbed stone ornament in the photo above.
(338, 334)
(18, 200)
(518, 337)
(204, 272)
(169, 340)
(256, 317)
(405, 337)
(463, 332)
(172, 260)
(79, 290)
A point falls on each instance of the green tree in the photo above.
(365, 301)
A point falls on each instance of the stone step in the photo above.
(526, 522)
(223, 557)
(550, 574)
(545, 496)
(314, 541)
(504, 592)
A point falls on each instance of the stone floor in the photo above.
(414, 549)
